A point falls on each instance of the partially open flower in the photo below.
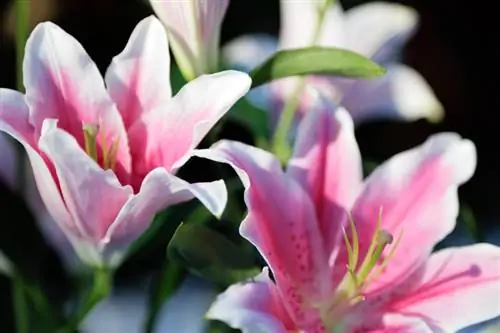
(194, 31)
(104, 154)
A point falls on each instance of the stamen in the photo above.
(386, 259)
(113, 152)
(104, 149)
(355, 244)
(90, 136)
(350, 289)
(109, 153)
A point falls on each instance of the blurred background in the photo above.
(454, 49)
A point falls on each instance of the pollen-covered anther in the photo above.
(384, 238)
(95, 143)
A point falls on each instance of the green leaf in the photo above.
(211, 255)
(315, 60)
(200, 247)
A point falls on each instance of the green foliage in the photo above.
(315, 60)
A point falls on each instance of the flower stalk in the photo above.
(280, 144)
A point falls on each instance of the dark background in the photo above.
(455, 49)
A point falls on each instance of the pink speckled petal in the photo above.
(327, 163)
(417, 192)
(138, 79)
(282, 224)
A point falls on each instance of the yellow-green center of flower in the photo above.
(97, 147)
(358, 274)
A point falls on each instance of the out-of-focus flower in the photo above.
(377, 30)
(367, 271)
(104, 159)
(194, 30)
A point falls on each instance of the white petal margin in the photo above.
(160, 189)
(248, 306)
(197, 107)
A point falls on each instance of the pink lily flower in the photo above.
(377, 30)
(194, 30)
(104, 152)
(369, 271)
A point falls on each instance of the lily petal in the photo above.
(252, 307)
(194, 29)
(282, 225)
(159, 190)
(172, 133)
(93, 196)
(14, 120)
(63, 83)
(458, 287)
(138, 79)
(293, 35)
(327, 163)
(379, 30)
(397, 323)
(417, 193)
(402, 94)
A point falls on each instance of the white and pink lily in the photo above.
(194, 30)
(377, 30)
(104, 152)
(369, 270)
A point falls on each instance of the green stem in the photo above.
(280, 144)
(101, 288)
(163, 288)
(22, 28)
(20, 305)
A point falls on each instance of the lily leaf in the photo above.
(198, 246)
(315, 60)
(207, 253)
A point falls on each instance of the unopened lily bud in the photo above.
(194, 31)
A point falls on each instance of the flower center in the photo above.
(359, 275)
(97, 148)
